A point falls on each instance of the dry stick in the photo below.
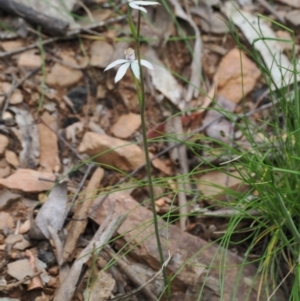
(143, 286)
(70, 34)
(101, 237)
(272, 10)
(14, 87)
(132, 275)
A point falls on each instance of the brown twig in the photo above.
(133, 277)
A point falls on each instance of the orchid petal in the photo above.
(121, 72)
(135, 6)
(147, 64)
(135, 69)
(115, 63)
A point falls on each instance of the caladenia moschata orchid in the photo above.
(136, 68)
(139, 4)
(131, 62)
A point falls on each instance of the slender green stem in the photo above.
(141, 94)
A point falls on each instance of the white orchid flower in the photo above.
(128, 61)
(138, 4)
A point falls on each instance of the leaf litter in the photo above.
(47, 135)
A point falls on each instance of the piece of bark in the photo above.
(50, 25)
(195, 262)
(79, 220)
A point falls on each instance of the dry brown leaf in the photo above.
(49, 157)
(112, 151)
(231, 83)
(29, 180)
(162, 166)
(126, 125)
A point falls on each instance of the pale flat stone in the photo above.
(63, 76)
(126, 125)
(30, 59)
(101, 54)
